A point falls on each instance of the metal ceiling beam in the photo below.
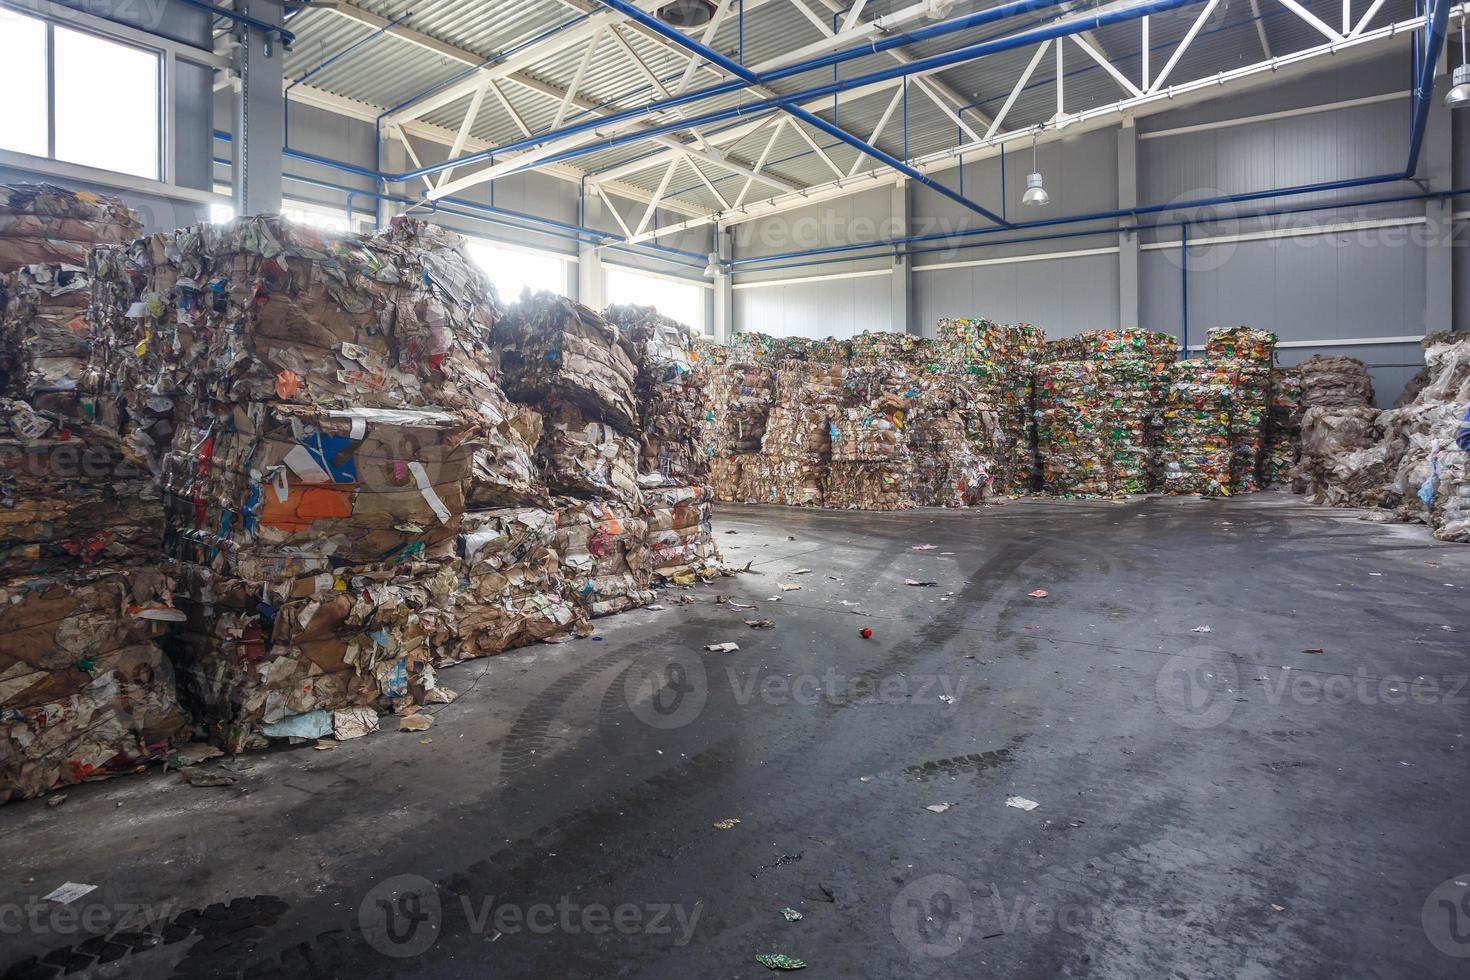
(1269, 72)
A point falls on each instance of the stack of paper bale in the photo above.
(871, 466)
(320, 411)
(85, 689)
(796, 452)
(742, 391)
(45, 338)
(1073, 422)
(1254, 354)
(951, 424)
(1343, 456)
(46, 235)
(1195, 448)
(49, 225)
(1283, 438)
(511, 586)
(1428, 473)
(676, 444)
(580, 370)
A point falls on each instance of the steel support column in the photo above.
(259, 111)
(1128, 239)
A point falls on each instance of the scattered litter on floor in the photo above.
(1039, 594)
(788, 587)
(323, 745)
(415, 723)
(1202, 629)
(69, 892)
(802, 571)
(761, 624)
(195, 776)
(723, 647)
(727, 823)
(918, 584)
(790, 914)
(779, 961)
(654, 607)
(1021, 803)
(783, 859)
(866, 632)
(56, 800)
(938, 807)
(947, 698)
(1314, 650)
(925, 547)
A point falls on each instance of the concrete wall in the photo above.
(1404, 277)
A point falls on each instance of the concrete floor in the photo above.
(1212, 804)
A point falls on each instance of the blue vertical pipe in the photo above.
(1438, 23)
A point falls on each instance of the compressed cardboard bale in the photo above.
(352, 486)
(71, 495)
(1343, 459)
(553, 346)
(280, 655)
(579, 455)
(261, 309)
(505, 471)
(725, 477)
(604, 555)
(867, 485)
(45, 339)
(680, 535)
(43, 223)
(951, 425)
(675, 410)
(85, 690)
(1329, 380)
(510, 590)
(792, 480)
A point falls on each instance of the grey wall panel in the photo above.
(858, 219)
(1065, 296)
(833, 308)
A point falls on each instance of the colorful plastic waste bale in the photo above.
(1195, 446)
(1254, 353)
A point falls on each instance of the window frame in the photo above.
(160, 119)
(171, 53)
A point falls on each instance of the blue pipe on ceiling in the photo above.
(1438, 23)
(815, 121)
(603, 238)
(766, 106)
(287, 38)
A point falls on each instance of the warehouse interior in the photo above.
(674, 488)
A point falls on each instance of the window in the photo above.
(23, 77)
(515, 269)
(676, 300)
(103, 108)
(330, 220)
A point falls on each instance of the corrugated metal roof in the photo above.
(338, 54)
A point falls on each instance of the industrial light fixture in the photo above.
(1036, 195)
(685, 14)
(1458, 97)
(712, 268)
